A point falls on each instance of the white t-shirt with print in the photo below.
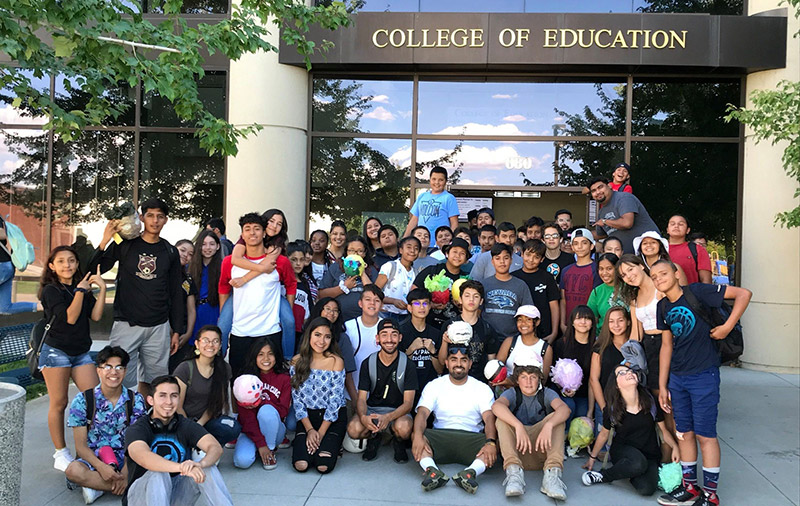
(398, 283)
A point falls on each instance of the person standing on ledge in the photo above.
(621, 214)
(434, 208)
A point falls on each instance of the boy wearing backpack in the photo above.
(387, 385)
(99, 418)
(689, 373)
(530, 428)
(693, 258)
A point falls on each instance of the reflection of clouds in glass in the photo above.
(322, 100)
(482, 129)
(515, 118)
(383, 99)
(380, 114)
(404, 114)
(503, 96)
(11, 116)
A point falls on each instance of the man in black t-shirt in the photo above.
(555, 260)
(543, 286)
(158, 451)
(457, 253)
(420, 341)
(387, 385)
(149, 308)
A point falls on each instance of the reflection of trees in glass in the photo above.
(718, 7)
(24, 186)
(349, 175)
(189, 6)
(697, 179)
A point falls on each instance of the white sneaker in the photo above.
(514, 482)
(90, 495)
(62, 459)
(552, 486)
(591, 478)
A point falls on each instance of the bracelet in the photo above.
(81, 290)
(592, 457)
(343, 287)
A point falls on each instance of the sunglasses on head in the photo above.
(452, 350)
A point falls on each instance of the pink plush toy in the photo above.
(247, 390)
(567, 373)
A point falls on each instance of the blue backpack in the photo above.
(22, 254)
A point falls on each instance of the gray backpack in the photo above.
(400, 377)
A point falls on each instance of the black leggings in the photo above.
(331, 442)
(631, 463)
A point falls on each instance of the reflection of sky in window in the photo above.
(12, 116)
(449, 108)
(504, 5)
(389, 107)
(9, 161)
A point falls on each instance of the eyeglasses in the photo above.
(624, 372)
(108, 367)
(214, 341)
(418, 303)
(551, 236)
(330, 310)
(452, 350)
(355, 251)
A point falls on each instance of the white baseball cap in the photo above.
(528, 310)
(582, 232)
(637, 241)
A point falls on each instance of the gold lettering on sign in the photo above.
(375, 34)
(442, 38)
(550, 35)
(597, 37)
(476, 37)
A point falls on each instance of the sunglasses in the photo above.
(453, 350)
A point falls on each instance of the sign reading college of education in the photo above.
(569, 40)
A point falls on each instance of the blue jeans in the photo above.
(6, 280)
(273, 429)
(224, 429)
(578, 405)
(225, 324)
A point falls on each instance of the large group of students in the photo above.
(353, 361)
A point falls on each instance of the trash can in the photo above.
(12, 424)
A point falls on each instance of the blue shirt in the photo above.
(108, 428)
(434, 211)
(693, 350)
(322, 389)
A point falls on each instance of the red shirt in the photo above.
(681, 255)
(285, 273)
(615, 186)
(277, 392)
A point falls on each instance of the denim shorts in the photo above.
(53, 357)
(695, 401)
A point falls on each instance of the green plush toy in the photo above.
(670, 476)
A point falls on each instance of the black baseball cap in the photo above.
(456, 243)
(388, 323)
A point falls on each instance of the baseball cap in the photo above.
(528, 310)
(456, 243)
(581, 232)
(388, 323)
(622, 164)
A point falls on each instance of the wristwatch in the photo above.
(491, 441)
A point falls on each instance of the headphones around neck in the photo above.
(159, 427)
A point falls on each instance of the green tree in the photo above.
(775, 117)
(70, 39)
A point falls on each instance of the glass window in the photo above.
(23, 114)
(158, 111)
(90, 175)
(189, 6)
(122, 96)
(174, 168)
(508, 163)
(697, 179)
(692, 109)
(505, 108)
(352, 179)
(362, 106)
(23, 190)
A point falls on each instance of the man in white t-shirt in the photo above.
(397, 277)
(256, 304)
(464, 426)
(363, 331)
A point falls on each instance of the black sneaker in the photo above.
(434, 478)
(685, 495)
(466, 480)
(400, 453)
(371, 453)
(71, 485)
(707, 499)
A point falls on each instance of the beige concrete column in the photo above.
(770, 263)
(270, 168)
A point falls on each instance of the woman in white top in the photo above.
(521, 348)
(396, 278)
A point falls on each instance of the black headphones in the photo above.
(159, 427)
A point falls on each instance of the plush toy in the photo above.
(439, 286)
(495, 371)
(459, 332)
(455, 290)
(670, 476)
(354, 265)
(567, 373)
(129, 225)
(247, 390)
(581, 433)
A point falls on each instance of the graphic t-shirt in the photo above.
(681, 255)
(503, 298)
(437, 317)
(434, 211)
(484, 342)
(693, 350)
(557, 266)
(421, 358)
(175, 445)
(544, 289)
(577, 281)
(398, 283)
(621, 203)
(385, 392)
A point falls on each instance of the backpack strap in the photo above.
(622, 187)
(518, 394)
(514, 343)
(544, 349)
(129, 407)
(372, 367)
(88, 396)
(693, 250)
(400, 375)
(540, 398)
(697, 306)
(358, 329)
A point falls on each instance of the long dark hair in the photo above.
(367, 255)
(571, 345)
(220, 380)
(624, 291)
(663, 254)
(214, 266)
(606, 338)
(302, 364)
(282, 238)
(616, 403)
(251, 362)
(316, 312)
(49, 276)
(370, 247)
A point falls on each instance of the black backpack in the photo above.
(88, 395)
(514, 343)
(38, 335)
(732, 346)
(544, 409)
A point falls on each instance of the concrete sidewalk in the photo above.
(759, 431)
